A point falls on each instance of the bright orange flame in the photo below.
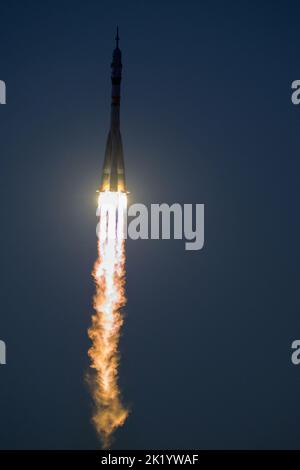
(109, 276)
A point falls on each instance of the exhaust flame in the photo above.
(109, 276)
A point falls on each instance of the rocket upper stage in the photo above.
(113, 174)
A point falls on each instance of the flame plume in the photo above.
(109, 277)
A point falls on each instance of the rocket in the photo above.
(113, 173)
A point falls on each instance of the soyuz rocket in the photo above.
(113, 173)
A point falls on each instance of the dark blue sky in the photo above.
(206, 117)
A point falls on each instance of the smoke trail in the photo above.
(109, 277)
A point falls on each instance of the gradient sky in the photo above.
(206, 117)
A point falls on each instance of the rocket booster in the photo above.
(113, 174)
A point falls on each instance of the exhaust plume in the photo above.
(109, 299)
